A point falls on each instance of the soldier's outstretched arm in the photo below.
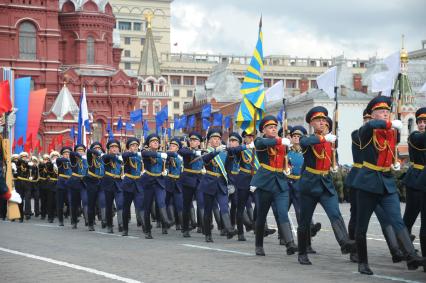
(262, 143)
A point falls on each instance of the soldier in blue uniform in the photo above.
(376, 184)
(415, 180)
(316, 185)
(190, 179)
(92, 180)
(174, 198)
(271, 183)
(111, 184)
(214, 184)
(75, 182)
(153, 182)
(63, 166)
(132, 185)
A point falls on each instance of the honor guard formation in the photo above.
(196, 184)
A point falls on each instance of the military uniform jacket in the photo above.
(111, 181)
(23, 170)
(95, 171)
(43, 176)
(132, 173)
(174, 168)
(153, 164)
(243, 179)
(215, 179)
(79, 170)
(52, 176)
(378, 148)
(192, 168)
(233, 163)
(270, 153)
(357, 159)
(295, 159)
(417, 150)
(64, 172)
(317, 155)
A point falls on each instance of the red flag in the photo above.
(53, 144)
(20, 141)
(59, 139)
(37, 146)
(29, 144)
(5, 103)
(14, 145)
(68, 143)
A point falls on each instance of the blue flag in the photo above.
(109, 126)
(145, 128)
(207, 111)
(110, 136)
(206, 124)
(280, 115)
(169, 133)
(217, 119)
(182, 121)
(177, 123)
(129, 127)
(72, 133)
(136, 116)
(119, 124)
(162, 116)
(191, 121)
(228, 122)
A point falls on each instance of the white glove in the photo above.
(250, 145)
(14, 167)
(396, 166)
(30, 178)
(84, 157)
(221, 147)
(15, 197)
(231, 189)
(335, 169)
(165, 172)
(163, 155)
(330, 137)
(139, 154)
(180, 157)
(287, 172)
(252, 189)
(55, 167)
(30, 163)
(285, 141)
(397, 124)
(198, 153)
(120, 158)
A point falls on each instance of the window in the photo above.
(142, 40)
(127, 66)
(176, 93)
(140, 86)
(124, 25)
(144, 107)
(126, 53)
(95, 89)
(27, 41)
(157, 107)
(90, 50)
(290, 83)
(175, 80)
(267, 83)
(176, 105)
(201, 80)
(137, 26)
(127, 40)
(188, 80)
(189, 93)
(314, 84)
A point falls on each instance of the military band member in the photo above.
(34, 181)
(271, 183)
(52, 179)
(190, 179)
(43, 185)
(316, 185)
(376, 184)
(111, 184)
(23, 187)
(63, 166)
(132, 185)
(415, 180)
(92, 181)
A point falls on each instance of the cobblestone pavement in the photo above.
(36, 251)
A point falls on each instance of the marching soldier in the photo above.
(24, 185)
(92, 181)
(316, 185)
(271, 183)
(52, 179)
(190, 179)
(376, 184)
(63, 167)
(174, 198)
(111, 184)
(34, 180)
(153, 183)
(414, 179)
(43, 185)
(132, 185)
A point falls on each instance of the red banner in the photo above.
(5, 103)
(36, 105)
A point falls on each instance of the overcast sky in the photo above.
(321, 28)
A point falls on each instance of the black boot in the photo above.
(309, 248)
(268, 231)
(171, 214)
(413, 259)
(180, 217)
(342, 237)
(91, 228)
(125, 233)
(103, 216)
(259, 231)
(200, 219)
(141, 214)
(287, 235)
(186, 234)
(138, 219)
(209, 239)
(302, 241)
(247, 222)
(109, 230)
(315, 228)
(148, 235)
(389, 233)
(361, 244)
(241, 238)
(86, 215)
(260, 251)
(423, 248)
(120, 220)
(218, 220)
(165, 219)
(230, 231)
(193, 223)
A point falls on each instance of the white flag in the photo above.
(393, 62)
(423, 89)
(275, 92)
(383, 82)
(327, 81)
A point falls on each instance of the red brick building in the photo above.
(67, 41)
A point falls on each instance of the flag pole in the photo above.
(285, 133)
(335, 127)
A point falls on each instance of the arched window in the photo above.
(144, 107)
(151, 84)
(90, 50)
(157, 106)
(27, 41)
(140, 86)
(97, 129)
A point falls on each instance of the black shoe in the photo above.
(186, 234)
(304, 259)
(397, 256)
(209, 239)
(43, 218)
(260, 251)
(223, 232)
(241, 238)
(268, 232)
(148, 235)
(109, 230)
(199, 230)
(61, 223)
(74, 226)
(315, 229)
(50, 221)
(310, 250)
(27, 217)
(353, 257)
(120, 228)
(125, 233)
(282, 242)
(103, 225)
(22, 221)
(91, 228)
(291, 248)
(165, 231)
(363, 268)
